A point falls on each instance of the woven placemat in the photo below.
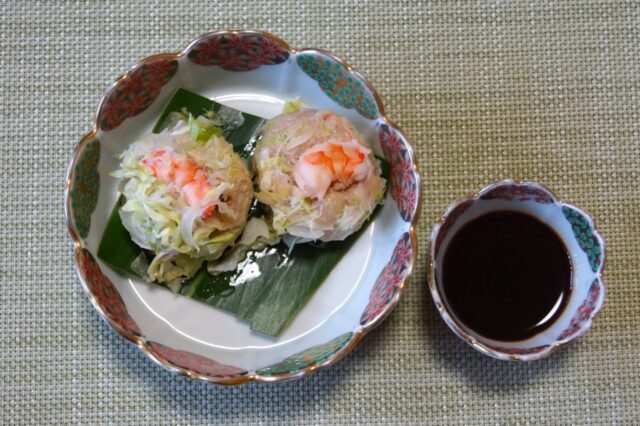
(485, 90)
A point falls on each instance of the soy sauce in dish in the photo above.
(506, 275)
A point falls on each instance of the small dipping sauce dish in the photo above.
(515, 272)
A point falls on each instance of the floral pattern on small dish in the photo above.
(404, 188)
(585, 312)
(312, 356)
(585, 235)
(389, 281)
(194, 363)
(137, 90)
(531, 198)
(238, 52)
(85, 186)
(519, 193)
(104, 293)
(338, 82)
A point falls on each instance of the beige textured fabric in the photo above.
(542, 90)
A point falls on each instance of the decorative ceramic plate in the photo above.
(257, 73)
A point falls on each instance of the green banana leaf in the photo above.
(271, 285)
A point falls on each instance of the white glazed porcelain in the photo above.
(257, 73)
(576, 230)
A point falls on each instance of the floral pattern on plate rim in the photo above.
(312, 356)
(338, 83)
(389, 280)
(105, 294)
(85, 187)
(136, 92)
(238, 52)
(404, 182)
(194, 362)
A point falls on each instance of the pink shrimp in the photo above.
(331, 163)
(183, 174)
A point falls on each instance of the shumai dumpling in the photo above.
(317, 174)
(187, 196)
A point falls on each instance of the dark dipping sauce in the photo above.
(506, 275)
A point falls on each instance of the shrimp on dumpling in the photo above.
(317, 174)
